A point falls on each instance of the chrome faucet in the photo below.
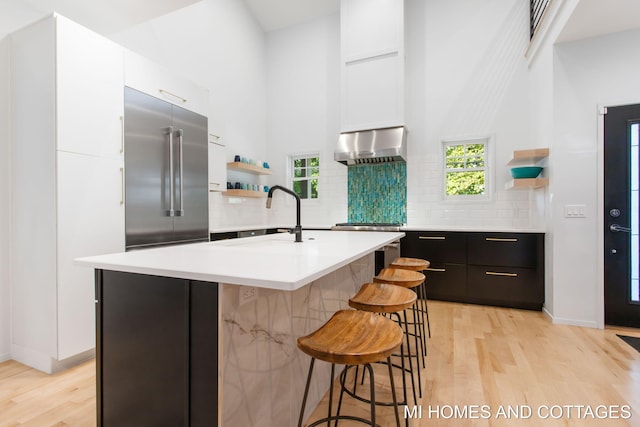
(297, 230)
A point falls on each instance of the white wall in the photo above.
(587, 73)
(303, 114)
(570, 80)
(541, 116)
(466, 81)
(461, 80)
(5, 194)
(219, 45)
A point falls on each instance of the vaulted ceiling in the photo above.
(103, 16)
(590, 18)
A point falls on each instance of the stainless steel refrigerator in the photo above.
(166, 172)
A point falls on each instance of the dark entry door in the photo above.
(621, 213)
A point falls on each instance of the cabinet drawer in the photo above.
(505, 249)
(435, 246)
(513, 287)
(447, 282)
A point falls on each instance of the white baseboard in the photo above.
(36, 360)
(46, 363)
(571, 322)
(69, 362)
(4, 357)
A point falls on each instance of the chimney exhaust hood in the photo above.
(372, 146)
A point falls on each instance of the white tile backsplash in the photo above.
(517, 209)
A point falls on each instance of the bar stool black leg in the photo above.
(418, 342)
(333, 371)
(306, 391)
(393, 392)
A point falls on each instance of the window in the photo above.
(466, 168)
(305, 173)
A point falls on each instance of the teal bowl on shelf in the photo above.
(525, 172)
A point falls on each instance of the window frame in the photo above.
(291, 158)
(488, 169)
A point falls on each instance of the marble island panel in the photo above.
(263, 372)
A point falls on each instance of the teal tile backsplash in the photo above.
(378, 193)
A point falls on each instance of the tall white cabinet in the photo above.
(372, 64)
(67, 184)
(5, 194)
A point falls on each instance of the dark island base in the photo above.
(156, 351)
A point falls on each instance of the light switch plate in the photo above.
(575, 211)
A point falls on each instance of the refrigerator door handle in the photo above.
(171, 211)
(180, 211)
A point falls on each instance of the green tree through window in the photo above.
(305, 175)
(465, 168)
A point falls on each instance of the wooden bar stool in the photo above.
(352, 337)
(412, 280)
(416, 264)
(389, 300)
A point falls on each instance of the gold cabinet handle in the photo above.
(440, 270)
(499, 239)
(432, 237)
(123, 186)
(168, 94)
(495, 273)
(121, 134)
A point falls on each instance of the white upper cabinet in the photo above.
(150, 78)
(372, 61)
(89, 94)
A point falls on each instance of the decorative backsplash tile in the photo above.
(378, 193)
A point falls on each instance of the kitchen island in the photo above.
(205, 334)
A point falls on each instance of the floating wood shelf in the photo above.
(527, 158)
(523, 183)
(245, 167)
(244, 193)
(521, 157)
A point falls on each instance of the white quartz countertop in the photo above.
(271, 261)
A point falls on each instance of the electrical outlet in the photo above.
(247, 294)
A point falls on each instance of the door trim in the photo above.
(600, 216)
(600, 208)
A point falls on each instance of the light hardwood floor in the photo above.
(481, 360)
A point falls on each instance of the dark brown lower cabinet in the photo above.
(157, 351)
(507, 287)
(446, 281)
(502, 269)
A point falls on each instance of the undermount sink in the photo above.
(251, 243)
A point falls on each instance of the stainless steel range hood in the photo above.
(372, 146)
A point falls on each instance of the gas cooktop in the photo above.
(367, 226)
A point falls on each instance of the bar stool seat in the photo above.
(406, 263)
(398, 276)
(390, 300)
(352, 337)
(382, 298)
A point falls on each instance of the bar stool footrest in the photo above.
(343, 417)
(343, 377)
